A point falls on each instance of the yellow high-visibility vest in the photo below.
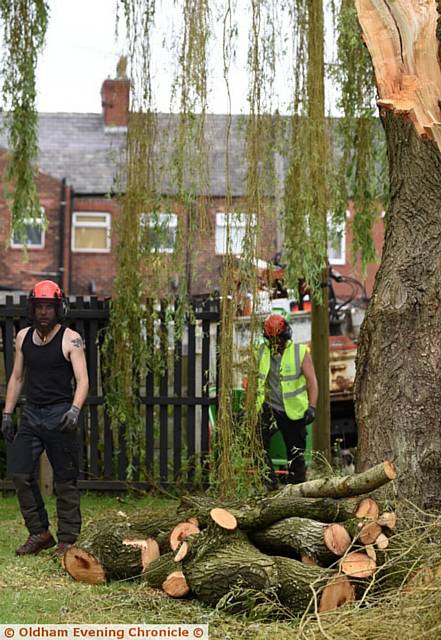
(292, 380)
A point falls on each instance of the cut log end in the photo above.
(369, 533)
(390, 470)
(83, 567)
(182, 552)
(194, 521)
(224, 518)
(149, 550)
(358, 565)
(180, 532)
(368, 509)
(337, 539)
(382, 541)
(388, 519)
(176, 585)
(337, 592)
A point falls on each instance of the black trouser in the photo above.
(294, 435)
(38, 432)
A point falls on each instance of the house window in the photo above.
(160, 230)
(231, 229)
(34, 234)
(336, 242)
(91, 232)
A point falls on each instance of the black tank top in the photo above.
(48, 375)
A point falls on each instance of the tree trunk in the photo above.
(261, 513)
(397, 388)
(295, 537)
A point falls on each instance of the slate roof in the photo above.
(76, 146)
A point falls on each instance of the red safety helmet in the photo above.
(275, 326)
(48, 291)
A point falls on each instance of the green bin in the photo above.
(277, 448)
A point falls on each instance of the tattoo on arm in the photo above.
(77, 343)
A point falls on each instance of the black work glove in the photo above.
(69, 420)
(8, 429)
(309, 415)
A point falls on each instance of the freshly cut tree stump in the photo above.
(296, 537)
(176, 585)
(358, 565)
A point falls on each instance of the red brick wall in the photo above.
(348, 269)
(98, 268)
(16, 270)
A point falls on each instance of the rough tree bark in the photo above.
(397, 388)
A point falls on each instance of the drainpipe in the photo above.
(70, 238)
(62, 230)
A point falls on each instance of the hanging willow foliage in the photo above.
(239, 445)
(128, 348)
(24, 25)
(363, 160)
(308, 187)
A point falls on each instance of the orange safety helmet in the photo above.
(48, 291)
(275, 326)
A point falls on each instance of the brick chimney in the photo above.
(115, 98)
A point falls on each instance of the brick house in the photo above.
(80, 160)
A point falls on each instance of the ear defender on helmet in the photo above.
(275, 326)
(48, 291)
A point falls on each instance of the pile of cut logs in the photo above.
(320, 536)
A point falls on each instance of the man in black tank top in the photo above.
(48, 358)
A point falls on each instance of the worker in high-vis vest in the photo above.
(287, 393)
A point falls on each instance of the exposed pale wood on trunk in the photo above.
(401, 38)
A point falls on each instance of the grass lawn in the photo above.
(37, 590)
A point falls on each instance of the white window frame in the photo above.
(163, 216)
(340, 228)
(236, 221)
(32, 222)
(106, 224)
